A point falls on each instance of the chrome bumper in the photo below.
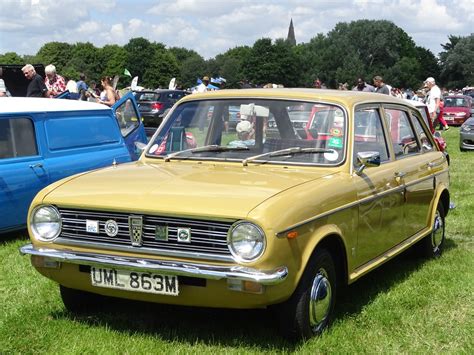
(264, 277)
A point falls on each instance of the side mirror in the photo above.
(437, 134)
(367, 159)
(140, 147)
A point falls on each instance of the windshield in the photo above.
(250, 130)
(455, 102)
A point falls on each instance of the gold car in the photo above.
(252, 217)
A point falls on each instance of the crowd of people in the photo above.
(54, 84)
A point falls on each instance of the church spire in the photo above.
(291, 34)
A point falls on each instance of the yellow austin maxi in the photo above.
(269, 213)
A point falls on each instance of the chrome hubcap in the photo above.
(320, 300)
(438, 231)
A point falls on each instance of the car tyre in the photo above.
(310, 309)
(77, 301)
(432, 245)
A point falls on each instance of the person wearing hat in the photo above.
(245, 133)
(433, 101)
(203, 86)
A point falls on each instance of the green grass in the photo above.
(409, 305)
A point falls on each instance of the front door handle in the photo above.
(400, 174)
(36, 165)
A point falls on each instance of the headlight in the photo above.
(460, 114)
(45, 223)
(246, 241)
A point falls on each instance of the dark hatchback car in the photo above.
(153, 104)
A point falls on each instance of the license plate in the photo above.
(135, 281)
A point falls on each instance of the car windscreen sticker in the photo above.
(331, 156)
(336, 132)
(153, 148)
(335, 142)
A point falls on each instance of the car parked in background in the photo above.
(44, 140)
(153, 104)
(466, 135)
(457, 109)
(252, 221)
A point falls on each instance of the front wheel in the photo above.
(310, 309)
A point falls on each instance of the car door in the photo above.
(22, 169)
(379, 193)
(131, 126)
(417, 159)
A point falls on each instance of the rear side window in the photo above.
(81, 131)
(425, 141)
(17, 138)
(403, 137)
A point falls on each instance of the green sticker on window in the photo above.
(335, 142)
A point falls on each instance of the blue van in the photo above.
(44, 140)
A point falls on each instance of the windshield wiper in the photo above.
(206, 148)
(287, 151)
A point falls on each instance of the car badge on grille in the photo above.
(184, 235)
(161, 233)
(135, 224)
(111, 228)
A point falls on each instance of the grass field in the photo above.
(407, 306)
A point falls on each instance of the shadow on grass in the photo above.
(255, 329)
(9, 237)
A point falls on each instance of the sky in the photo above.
(211, 27)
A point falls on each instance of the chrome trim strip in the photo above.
(211, 272)
(355, 203)
(350, 205)
(145, 250)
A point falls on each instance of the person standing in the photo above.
(3, 89)
(380, 86)
(36, 87)
(107, 96)
(53, 81)
(203, 86)
(363, 86)
(433, 101)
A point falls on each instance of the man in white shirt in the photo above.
(203, 86)
(434, 99)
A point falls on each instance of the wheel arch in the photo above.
(334, 243)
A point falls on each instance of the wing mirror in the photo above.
(367, 160)
(437, 134)
(139, 147)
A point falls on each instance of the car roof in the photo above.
(32, 104)
(343, 97)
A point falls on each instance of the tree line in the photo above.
(362, 48)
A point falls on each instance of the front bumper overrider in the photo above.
(205, 271)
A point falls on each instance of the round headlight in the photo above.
(246, 241)
(46, 223)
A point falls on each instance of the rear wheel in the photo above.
(432, 245)
(310, 309)
(77, 301)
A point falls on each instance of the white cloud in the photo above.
(212, 26)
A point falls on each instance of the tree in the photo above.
(457, 64)
(56, 53)
(11, 58)
(163, 67)
(140, 53)
(191, 69)
(112, 59)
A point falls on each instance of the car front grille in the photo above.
(208, 238)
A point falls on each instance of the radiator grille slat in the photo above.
(207, 237)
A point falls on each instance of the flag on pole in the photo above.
(126, 72)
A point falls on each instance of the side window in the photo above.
(403, 137)
(127, 117)
(425, 141)
(17, 138)
(368, 133)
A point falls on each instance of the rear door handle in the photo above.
(36, 165)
